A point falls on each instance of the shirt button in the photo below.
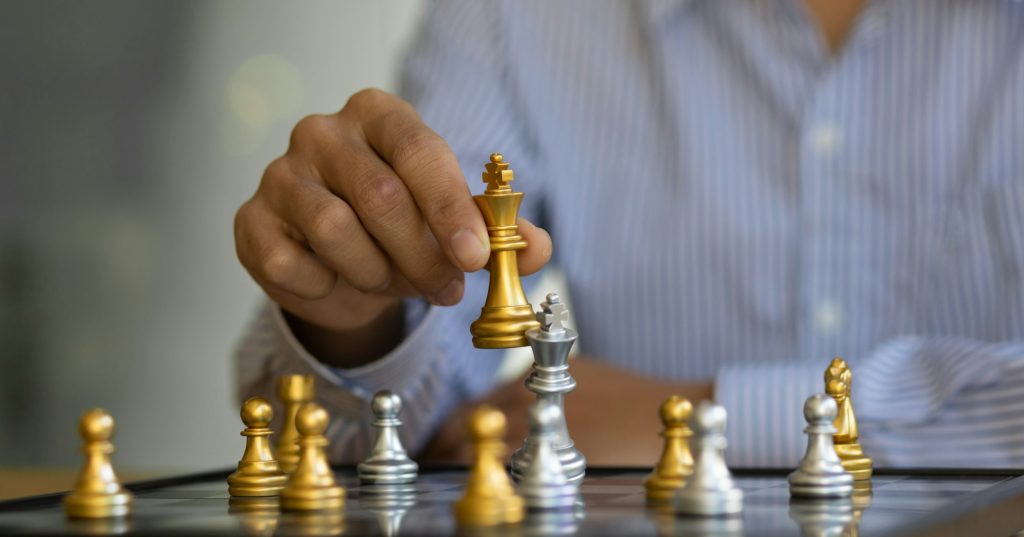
(826, 317)
(824, 139)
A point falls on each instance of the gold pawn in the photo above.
(489, 499)
(676, 462)
(311, 486)
(506, 315)
(293, 391)
(838, 382)
(258, 474)
(258, 516)
(97, 493)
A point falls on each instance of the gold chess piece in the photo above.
(313, 523)
(489, 499)
(258, 472)
(506, 314)
(97, 493)
(293, 391)
(838, 381)
(311, 486)
(861, 501)
(676, 462)
(258, 516)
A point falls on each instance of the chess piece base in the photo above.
(118, 504)
(489, 511)
(503, 327)
(317, 499)
(821, 490)
(853, 460)
(387, 472)
(859, 475)
(563, 497)
(827, 484)
(709, 503)
(247, 485)
(661, 490)
(574, 464)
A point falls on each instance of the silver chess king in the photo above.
(550, 380)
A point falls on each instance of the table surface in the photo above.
(900, 503)
(21, 482)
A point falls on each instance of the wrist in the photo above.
(351, 348)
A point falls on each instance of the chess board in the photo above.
(909, 502)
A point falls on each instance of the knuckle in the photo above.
(378, 279)
(328, 224)
(418, 147)
(278, 170)
(310, 130)
(380, 196)
(370, 280)
(241, 223)
(277, 268)
(367, 98)
(278, 181)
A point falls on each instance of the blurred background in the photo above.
(129, 134)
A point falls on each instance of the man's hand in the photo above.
(612, 416)
(367, 206)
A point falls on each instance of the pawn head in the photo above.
(386, 404)
(820, 408)
(543, 416)
(257, 413)
(675, 411)
(311, 419)
(486, 423)
(96, 425)
(709, 418)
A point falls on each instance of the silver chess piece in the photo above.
(710, 490)
(389, 505)
(543, 484)
(388, 463)
(821, 473)
(550, 380)
(823, 517)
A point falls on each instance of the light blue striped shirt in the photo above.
(729, 202)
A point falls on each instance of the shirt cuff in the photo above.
(391, 371)
(765, 411)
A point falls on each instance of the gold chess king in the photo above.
(506, 314)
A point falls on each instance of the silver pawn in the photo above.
(709, 491)
(388, 463)
(820, 474)
(543, 484)
(550, 380)
(823, 517)
(390, 507)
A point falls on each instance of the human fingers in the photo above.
(340, 157)
(276, 260)
(334, 233)
(431, 173)
(538, 248)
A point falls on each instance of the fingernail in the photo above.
(469, 249)
(450, 295)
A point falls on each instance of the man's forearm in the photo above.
(612, 415)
